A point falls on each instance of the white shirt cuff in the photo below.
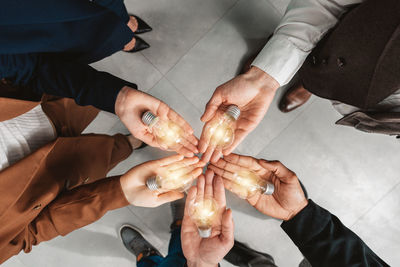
(281, 59)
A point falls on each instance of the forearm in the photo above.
(77, 208)
(303, 25)
(54, 75)
(325, 241)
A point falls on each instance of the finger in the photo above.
(195, 173)
(212, 106)
(169, 197)
(243, 161)
(167, 160)
(208, 189)
(204, 138)
(189, 145)
(183, 163)
(216, 155)
(227, 166)
(279, 170)
(240, 135)
(192, 139)
(227, 229)
(207, 155)
(221, 172)
(200, 188)
(184, 151)
(191, 196)
(219, 191)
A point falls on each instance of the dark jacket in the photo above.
(47, 45)
(358, 62)
(325, 241)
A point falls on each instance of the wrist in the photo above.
(121, 100)
(125, 188)
(297, 210)
(261, 79)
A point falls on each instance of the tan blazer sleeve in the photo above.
(74, 209)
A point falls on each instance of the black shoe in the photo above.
(139, 45)
(242, 255)
(134, 241)
(142, 25)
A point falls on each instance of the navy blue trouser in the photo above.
(175, 257)
(116, 6)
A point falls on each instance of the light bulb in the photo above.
(222, 129)
(204, 213)
(168, 134)
(172, 179)
(248, 184)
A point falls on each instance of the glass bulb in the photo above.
(172, 179)
(222, 129)
(204, 213)
(248, 184)
(168, 134)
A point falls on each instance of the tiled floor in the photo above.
(197, 45)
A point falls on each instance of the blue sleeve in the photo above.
(55, 75)
(325, 241)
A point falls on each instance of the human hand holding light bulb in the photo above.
(130, 106)
(253, 93)
(133, 183)
(177, 176)
(204, 252)
(288, 198)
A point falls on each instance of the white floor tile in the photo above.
(379, 228)
(217, 56)
(344, 170)
(177, 25)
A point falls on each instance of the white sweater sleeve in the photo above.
(303, 25)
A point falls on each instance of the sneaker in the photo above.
(134, 241)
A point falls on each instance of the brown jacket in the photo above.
(60, 187)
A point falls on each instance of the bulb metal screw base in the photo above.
(233, 111)
(148, 118)
(204, 233)
(151, 184)
(269, 190)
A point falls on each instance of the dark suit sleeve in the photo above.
(325, 241)
(56, 75)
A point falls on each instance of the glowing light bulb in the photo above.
(222, 130)
(168, 134)
(204, 213)
(172, 179)
(248, 184)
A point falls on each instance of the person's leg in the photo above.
(116, 6)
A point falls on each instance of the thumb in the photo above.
(169, 197)
(227, 228)
(212, 107)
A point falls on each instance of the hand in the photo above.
(209, 251)
(252, 92)
(133, 182)
(130, 106)
(288, 198)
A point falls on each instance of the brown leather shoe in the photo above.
(294, 97)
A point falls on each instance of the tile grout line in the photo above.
(376, 203)
(287, 126)
(194, 44)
